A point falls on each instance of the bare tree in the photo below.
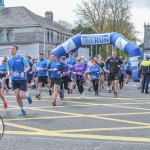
(65, 24)
(108, 16)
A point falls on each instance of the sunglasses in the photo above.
(79, 60)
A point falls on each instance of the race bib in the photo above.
(79, 73)
(15, 74)
(93, 77)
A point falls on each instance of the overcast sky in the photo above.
(64, 9)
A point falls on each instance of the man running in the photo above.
(56, 68)
(42, 68)
(114, 63)
(71, 61)
(17, 68)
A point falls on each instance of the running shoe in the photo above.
(96, 94)
(22, 112)
(115, 94)
(82, 96)
(29, 99)
(54, 103)
(38, 96)
(5, 105)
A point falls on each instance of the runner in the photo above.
(56, 69)
(71, 61)
(102, 78)
(122, 76)
(115, 62)
(79, 70)
(2, 97)
(42, 72)
(3, 72)
(127, 66)
(17, 69)
(90, 62)
(30, 73)
(95, 71)
(65, 77)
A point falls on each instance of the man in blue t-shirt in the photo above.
(71, 61)
(56, 68)
(30, 72)
(42, 72)
(17, 68)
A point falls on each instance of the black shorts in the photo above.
(66, 79)
(43, 79)
(56, 81)
(19, 84)
(2, 76)
(29, 78)
(128, 72)
(114, 76)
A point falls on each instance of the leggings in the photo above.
(64, 83)
(80, 86)
(95, 85)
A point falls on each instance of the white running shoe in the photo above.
(82, 96)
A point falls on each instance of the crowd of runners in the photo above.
(62, 75)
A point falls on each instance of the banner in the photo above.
(95, 39)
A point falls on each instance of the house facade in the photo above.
(32, 33)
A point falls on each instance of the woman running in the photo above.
(79, 70)
(95, 71)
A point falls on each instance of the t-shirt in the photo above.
(95, 72)
(42, 67)
(17, 65)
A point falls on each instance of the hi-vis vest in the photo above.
(145, 66)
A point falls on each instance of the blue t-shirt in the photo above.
(128, 66)
(42, 67)
(57, 66)
(122, 68)
(85, 63)
(71, 62)
(95, 70)
(17, 65)
(3, 69)
(31, 67)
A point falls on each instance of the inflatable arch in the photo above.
(114, 38)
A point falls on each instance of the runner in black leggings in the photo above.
(95, 71)
(79, 70)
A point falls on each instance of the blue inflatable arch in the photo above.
(117, 40)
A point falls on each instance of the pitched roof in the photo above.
(23, 17)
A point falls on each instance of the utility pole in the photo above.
(44, 44)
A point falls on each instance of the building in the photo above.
(32, 33)
(146, 46)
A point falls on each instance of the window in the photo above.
(51, 37)
(10, 35)
(1, 35)
(54, 37)
(48, 37)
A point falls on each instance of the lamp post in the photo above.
(44, 44)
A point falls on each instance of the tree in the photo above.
(82, 29)
(105, 16)
(65, 24)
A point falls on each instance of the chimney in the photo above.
(49, 15)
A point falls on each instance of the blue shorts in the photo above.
(19, 84)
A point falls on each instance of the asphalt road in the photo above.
(93, 123)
